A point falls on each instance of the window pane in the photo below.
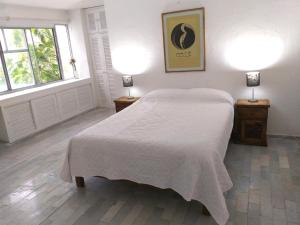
(3, 86)
(19, 69)
(64, 50)
(45, 53)
(2, 41)
(35, 64)
(15, 39)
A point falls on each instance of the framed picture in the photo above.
(184, 40)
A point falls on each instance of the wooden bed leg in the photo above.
(79, 182)
(205, 211)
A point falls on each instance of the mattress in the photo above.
(171, 138)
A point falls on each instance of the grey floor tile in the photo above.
(266, 186)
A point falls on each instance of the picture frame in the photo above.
(184, 40)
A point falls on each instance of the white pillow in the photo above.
(186, 95)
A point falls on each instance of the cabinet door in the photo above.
(92, 21)
(85, 98)
(45, 111)
(67, 103)
(102, 19)
(19, 121)
(102, 67)
(96, 47)
(101, 56)
(253, 132)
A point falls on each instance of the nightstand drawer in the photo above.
(253, 132)
(123, 102)
(121, 107)
(253, 113)
(250, 122)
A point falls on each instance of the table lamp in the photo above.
(253, 80)
(128, 82)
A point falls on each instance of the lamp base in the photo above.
(252, 100)
(130, 97)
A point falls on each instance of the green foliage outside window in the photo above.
(18, 66)
(36, 62)
(44, 52)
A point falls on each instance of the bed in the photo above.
(170, 138)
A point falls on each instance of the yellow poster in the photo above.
(184, 40)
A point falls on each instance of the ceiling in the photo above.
(55, 4)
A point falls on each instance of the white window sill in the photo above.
(31, 93)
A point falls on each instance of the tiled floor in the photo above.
(266, 187)
(266, 183)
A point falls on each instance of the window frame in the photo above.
(57, 50)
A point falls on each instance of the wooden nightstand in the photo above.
(123, 102)
(251, 122)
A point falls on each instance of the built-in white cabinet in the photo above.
(85, 98)
(100, 54)
(68, 103)
(27, 117)
(19, 120)
(45, 111)
(96, 20)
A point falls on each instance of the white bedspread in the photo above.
(171, 138)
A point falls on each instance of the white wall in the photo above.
(88, 3)
(12, 15)
(274, 23)
(55, 4)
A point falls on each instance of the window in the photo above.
(65, 50)
(3, 86)
(34, 56)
